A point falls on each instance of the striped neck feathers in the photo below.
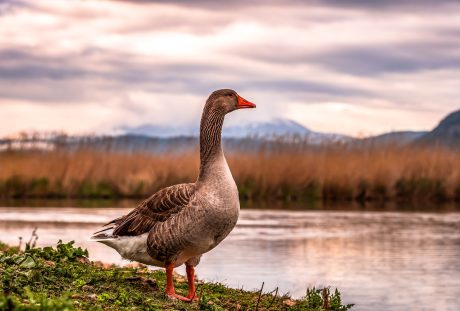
(212, 121)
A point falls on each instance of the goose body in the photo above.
(178, 224)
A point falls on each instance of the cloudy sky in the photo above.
(357, 67)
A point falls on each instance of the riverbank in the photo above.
(304, 174)
(62, 278)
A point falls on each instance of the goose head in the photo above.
(227, 100)
(218, 104)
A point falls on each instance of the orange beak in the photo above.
(243, 103)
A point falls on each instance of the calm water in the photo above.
(379, 260)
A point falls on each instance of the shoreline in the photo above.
(260, 205)
(63, 278)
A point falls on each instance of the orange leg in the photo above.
(191, 283)
(170, 292)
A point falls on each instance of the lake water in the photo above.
(378, 260)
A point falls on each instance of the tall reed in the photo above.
(290, 174)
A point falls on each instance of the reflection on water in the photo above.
(379, 260)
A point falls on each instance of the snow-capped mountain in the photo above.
(273, 129)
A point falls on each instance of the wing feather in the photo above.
(156, 209)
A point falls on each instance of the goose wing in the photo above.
(158, 208)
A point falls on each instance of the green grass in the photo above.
(62, 278)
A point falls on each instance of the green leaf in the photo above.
(28, 263)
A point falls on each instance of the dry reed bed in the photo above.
(329, 173)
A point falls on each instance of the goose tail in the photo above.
(103, 235)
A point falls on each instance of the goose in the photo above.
(178, 224)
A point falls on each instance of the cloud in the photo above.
(65, 73)
(332, 3)
(390, 4)
(131, 62)
(375, 60)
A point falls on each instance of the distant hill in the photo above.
(159, 131)
(399, 138)
(158, 139)
(447, 133)
(272, 129)
(246, 137)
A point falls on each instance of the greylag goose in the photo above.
(178, 224)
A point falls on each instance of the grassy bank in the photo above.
(298, 174)
(62, 278)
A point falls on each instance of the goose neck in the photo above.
(210, 140)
